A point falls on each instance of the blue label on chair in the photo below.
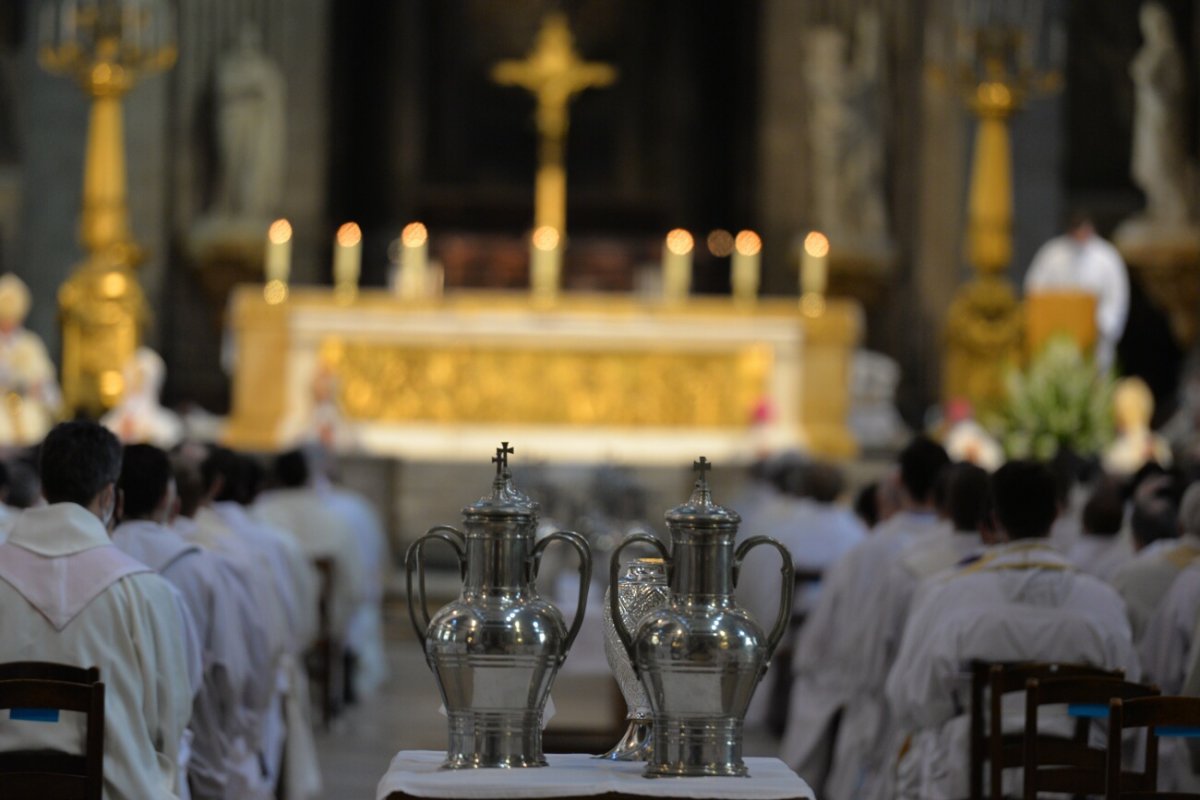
(34, 714)
(1088, 710)
(1178, 731)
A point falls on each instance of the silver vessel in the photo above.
(496, 649)
(699, 656)
(641, 588)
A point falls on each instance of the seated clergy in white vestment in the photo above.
(1102, 546)
(296, 506)
(967, 497)
(67, 595)
(837, 716)
(1166, 542)
(236, 662)
(1023, 601)
(231, 484)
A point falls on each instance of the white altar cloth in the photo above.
(418, 773)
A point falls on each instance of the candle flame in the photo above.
(546, 238)
(414, 235)
(680, 242)
(816, 244)
(349, 234)
(720, 243)
(280, 231)
(748, 243)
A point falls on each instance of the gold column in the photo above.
(104, 47)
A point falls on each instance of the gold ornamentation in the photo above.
(384, 382)
(984, 330)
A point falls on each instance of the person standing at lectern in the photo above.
(1081, 261)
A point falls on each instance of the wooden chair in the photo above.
(49, 773)
(1005, 748)
(1161, 716)
(1070, 765)
(325, 660)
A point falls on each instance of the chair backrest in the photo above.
(325, 573)
(1071, 765)
(46, 686)
(1161, 716)
(991, 743)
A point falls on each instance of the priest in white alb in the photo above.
(1023, 601)
(67, 595)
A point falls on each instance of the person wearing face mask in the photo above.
(67, 595)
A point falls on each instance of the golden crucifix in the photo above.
(554, 73)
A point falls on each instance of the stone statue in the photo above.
(844, 131)
(1160, 166)
(28, 389)
(250, 132)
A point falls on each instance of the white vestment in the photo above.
(1093, 266)
(321, 533)
(843, 656)
(30, 396)
(1144, 580)
(1102, 556)
(1021, 602)
(68, 596)
(238, 669)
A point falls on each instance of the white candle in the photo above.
(746, 267)
(414, 258)
(347, 257)
(277, 262)
(814, 267)
(677, 264)
(545, 263)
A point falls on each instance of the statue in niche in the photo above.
(1160, 167)
(250, 132)
(845, 124)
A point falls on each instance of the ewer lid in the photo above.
(700, 511)
(506, 500)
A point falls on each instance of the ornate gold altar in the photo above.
(590, 376)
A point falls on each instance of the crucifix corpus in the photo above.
(554, 73)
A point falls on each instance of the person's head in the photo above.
(24, 485)
(189, 483)
(823, 482)
(866, 504)
(1153, 518)
(888, 499)
(1189, 511)
(147, 484)
(80, 463)
(921, 461)
(1080, 225)
(966, 496)
(1024, 502)
(291, 469)
(220, 474)
(1104, 512)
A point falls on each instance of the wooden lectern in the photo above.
(1059, 313)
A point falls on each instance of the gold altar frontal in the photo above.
(586, 377)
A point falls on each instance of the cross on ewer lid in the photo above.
(506, 500)
(700, 511)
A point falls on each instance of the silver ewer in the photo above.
(700, 657)
(495, 650)
(641, 588)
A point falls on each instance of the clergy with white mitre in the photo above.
(1081, 261)
(848, 644)
(67, 595)
(29, 390)
(236, 662)
(1023, 601)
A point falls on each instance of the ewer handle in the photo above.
(585, 575)
(413, 561)
(614, 602)
(787, 569)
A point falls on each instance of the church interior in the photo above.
(852, 347)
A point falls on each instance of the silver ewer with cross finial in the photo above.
(699, 656)
(495, 650)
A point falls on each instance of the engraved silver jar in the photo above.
(699, 656)
(641, 588)
(496, 649)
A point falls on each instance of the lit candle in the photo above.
(414, 257)
(814, 267)
(677, 264)
(277, 263)
(347, 258)
(747, 255)
(545, 262)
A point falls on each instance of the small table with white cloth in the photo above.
(418, 773)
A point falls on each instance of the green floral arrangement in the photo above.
(1060, 401)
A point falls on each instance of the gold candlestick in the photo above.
(105, 47)
(677, 265)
